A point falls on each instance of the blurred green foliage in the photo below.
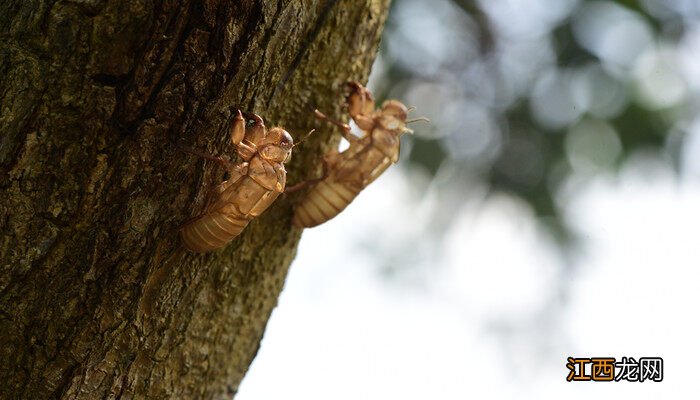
(526, 95)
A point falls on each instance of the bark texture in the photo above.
(97, 297)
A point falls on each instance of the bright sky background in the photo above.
(499, 315)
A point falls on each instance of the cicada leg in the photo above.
(224, 161)
(310, 182)
(344, 128)
(238, 129)
(360, 105)
(236, 172)
(247, 146)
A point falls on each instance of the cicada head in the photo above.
(277, 146)
(393, 116)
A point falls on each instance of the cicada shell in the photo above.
(252, 187)
(347, 173)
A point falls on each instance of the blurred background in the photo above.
(550, 209)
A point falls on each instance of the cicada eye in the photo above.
(395, 108)
(286, 141)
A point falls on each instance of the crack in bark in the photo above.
(305, 44)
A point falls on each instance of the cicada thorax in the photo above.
(237, 205)
(350, 172)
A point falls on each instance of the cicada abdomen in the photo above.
(324, 201)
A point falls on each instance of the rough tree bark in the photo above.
(97, 297)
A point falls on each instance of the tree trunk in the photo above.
(98, 299)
